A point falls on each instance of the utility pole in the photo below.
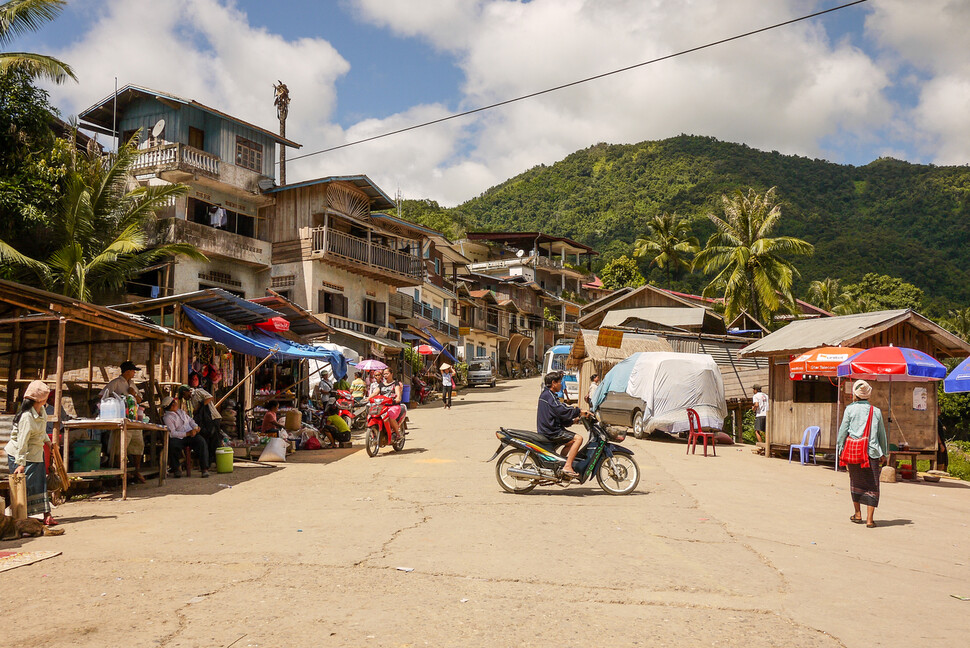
(282, 103)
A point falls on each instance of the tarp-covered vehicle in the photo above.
(651, 391)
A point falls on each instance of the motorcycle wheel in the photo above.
(349, 420)
(514, 458)
(373, 442)
(618, 475)
(399, 444)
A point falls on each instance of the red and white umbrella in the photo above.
(424, 349)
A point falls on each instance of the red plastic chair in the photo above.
(694, 420)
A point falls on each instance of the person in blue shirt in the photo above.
(552, 418)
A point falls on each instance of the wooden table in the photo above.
(122, 425)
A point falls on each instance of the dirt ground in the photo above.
(422, 548)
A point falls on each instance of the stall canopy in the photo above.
(260, 344)
(437, 346)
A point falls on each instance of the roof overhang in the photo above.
(379, 200)
(532, 240)
(233, 310)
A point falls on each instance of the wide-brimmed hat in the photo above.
(445, 366)
(37, 390)
(861, 389)
(167, 402)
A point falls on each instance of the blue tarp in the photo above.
(261, 344)
(437, 346)
(615, 380)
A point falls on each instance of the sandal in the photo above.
(50, 521)
(870, 525)
(570, 474)
(857, 520)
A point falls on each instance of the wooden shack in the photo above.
(797, 404)
(590, 358)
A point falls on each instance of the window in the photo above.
(374, 312)
(332, 303)
(437, 267)
(249, 154)
(436, 313)
(196, 138)
(815, 391)
(242, 224)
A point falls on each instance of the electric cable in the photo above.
(575, 83)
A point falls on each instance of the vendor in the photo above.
(200, 404)
(183, 433)
(122, 387)
(270, 421)
(25, 450)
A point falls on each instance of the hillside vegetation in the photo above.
(892, 217)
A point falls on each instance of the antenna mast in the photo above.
(282, 103)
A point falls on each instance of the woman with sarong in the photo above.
(864, 479)
(25, 450)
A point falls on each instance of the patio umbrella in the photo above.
(371, 365)
(424, 349)
(888, 363)
(959, 379)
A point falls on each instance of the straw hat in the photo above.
(37, 391)
(445, 366)
(862, 389)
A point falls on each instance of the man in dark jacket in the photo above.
(553, 416)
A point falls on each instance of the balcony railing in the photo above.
(427, 312)
(176, 156)
(347, 324)
(373, 256)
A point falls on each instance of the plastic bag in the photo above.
(312, 443)
(275, 450)
(111, 407)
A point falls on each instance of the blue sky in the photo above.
(887, 77)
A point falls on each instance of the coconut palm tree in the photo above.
(829, 295)
(958, 322)
(19, 17)
(103, 234)
(668, 242)
(751, 269)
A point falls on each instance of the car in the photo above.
(481, 372)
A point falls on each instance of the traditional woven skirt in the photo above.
(38, 502)
(864, 483)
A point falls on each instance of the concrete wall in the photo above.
(244, 279)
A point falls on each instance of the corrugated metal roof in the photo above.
(847, 330)
(674, 316)
(214, 301)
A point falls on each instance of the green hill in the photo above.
(891, 217)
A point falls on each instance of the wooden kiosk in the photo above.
(78, 347)
(797, 404)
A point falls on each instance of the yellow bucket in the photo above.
(224, 460)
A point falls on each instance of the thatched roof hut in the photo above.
(590, 358)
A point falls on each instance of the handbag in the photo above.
(856, 451)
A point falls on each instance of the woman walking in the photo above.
(25, 450)
(447, 384)
(862, 447)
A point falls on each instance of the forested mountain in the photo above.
(892, 217)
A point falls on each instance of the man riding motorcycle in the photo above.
(552, 417)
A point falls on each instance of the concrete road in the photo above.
(422, 548)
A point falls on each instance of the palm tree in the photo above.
(18, 17)
(958, 323)
(668, 242)
(103, 233)
(829, 295)
(751, 270)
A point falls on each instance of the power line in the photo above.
(575, 83)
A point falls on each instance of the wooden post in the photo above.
(16, 342)
(58, 384)
(150, 392)
(326, 229)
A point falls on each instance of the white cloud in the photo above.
(204, 50)
(789, 90)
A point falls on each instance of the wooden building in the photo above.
(590, 358)
(797, 404)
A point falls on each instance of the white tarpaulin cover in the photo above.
(669, 384)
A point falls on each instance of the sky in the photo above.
(884, 78)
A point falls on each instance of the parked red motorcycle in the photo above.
(354, 415)
(420, 390)
(379, 432)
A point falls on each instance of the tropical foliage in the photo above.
(19, 17)
(750, 267)
(669, 243)
(103, 232)
(622, 273)
(882, 292)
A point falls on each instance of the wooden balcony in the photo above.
(372, 260)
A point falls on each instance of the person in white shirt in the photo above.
(759, 405)
(183, 433)
(122, 387)
(594, 383)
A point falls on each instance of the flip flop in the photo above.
(870, 525)
(857, 520)
(570, 474)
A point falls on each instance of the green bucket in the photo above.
(85, 455)
(224, 460)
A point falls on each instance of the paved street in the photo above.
(727, 551)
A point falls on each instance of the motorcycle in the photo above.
(532, 461)
(379, 432)
(354, 414)
(419, 390)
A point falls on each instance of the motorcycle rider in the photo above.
(552, 417)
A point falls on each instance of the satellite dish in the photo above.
(158, 128)
(520, 253)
